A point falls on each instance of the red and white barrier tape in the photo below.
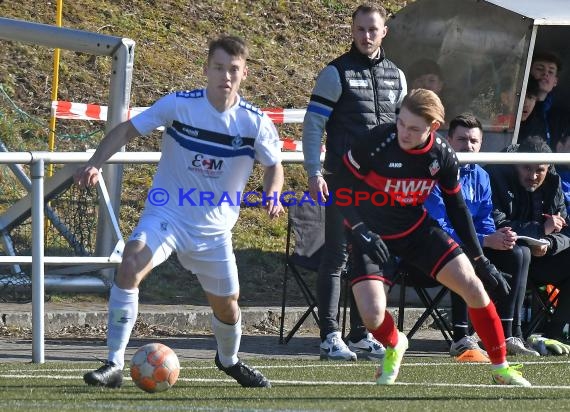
(81, 111)
(291, 145)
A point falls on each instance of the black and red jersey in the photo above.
(394, 182)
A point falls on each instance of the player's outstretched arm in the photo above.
(273, 178)
(88, 175)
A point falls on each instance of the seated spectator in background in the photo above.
(563, 169)
(528, 199)
(505, 117)
(545, 120)
(427, 74)
(530, 96)
(466, 135)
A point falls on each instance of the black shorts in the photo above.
(428, 249)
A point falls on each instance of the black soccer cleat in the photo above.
(246, 376)
(109, 375)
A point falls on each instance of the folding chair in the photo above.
(306, 230)
(307, 225)
(539, 307)
(408, 276)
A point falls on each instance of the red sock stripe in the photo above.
(386, 334)
(488, 326)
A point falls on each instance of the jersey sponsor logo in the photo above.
(408, 186)
(358, 83)
(403, 191)
(434, 167)
(207, 166)
(395, 164)
(207, 163)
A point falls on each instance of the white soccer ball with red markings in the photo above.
(154, 367)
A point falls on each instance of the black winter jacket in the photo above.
(514, 206)
(371, 89)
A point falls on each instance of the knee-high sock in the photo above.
(386, 334)
(123, 311)
(228, 338)
(488, 326)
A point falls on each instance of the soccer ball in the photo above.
(154, 367)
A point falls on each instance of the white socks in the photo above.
(228, 338)
(123, 311)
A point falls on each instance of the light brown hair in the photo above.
(426, 104)
(367, 8)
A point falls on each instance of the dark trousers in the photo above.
(333, 262)
(516, 263)
(554, 270)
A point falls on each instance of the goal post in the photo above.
(121, 51)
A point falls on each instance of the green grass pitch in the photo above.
(425, 383)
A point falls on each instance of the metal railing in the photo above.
(38, 160)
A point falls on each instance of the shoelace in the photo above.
(105, 363)
(337, 342)
(471, 343)
(519, 341)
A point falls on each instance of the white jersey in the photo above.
(207, 158)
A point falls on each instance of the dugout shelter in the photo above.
(484, 50)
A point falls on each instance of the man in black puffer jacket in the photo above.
(354, 93)
(528, 198)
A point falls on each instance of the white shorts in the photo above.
(210, 258)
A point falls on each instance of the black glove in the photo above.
(370, 243)
(492, 277)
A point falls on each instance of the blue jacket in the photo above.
(476, 189)
(565, 184)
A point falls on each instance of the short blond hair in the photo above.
(426, 104)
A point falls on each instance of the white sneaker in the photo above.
(516, 346)
(334, 348)
(367, 348)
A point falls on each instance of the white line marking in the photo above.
(364, 364)
(309, 383)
